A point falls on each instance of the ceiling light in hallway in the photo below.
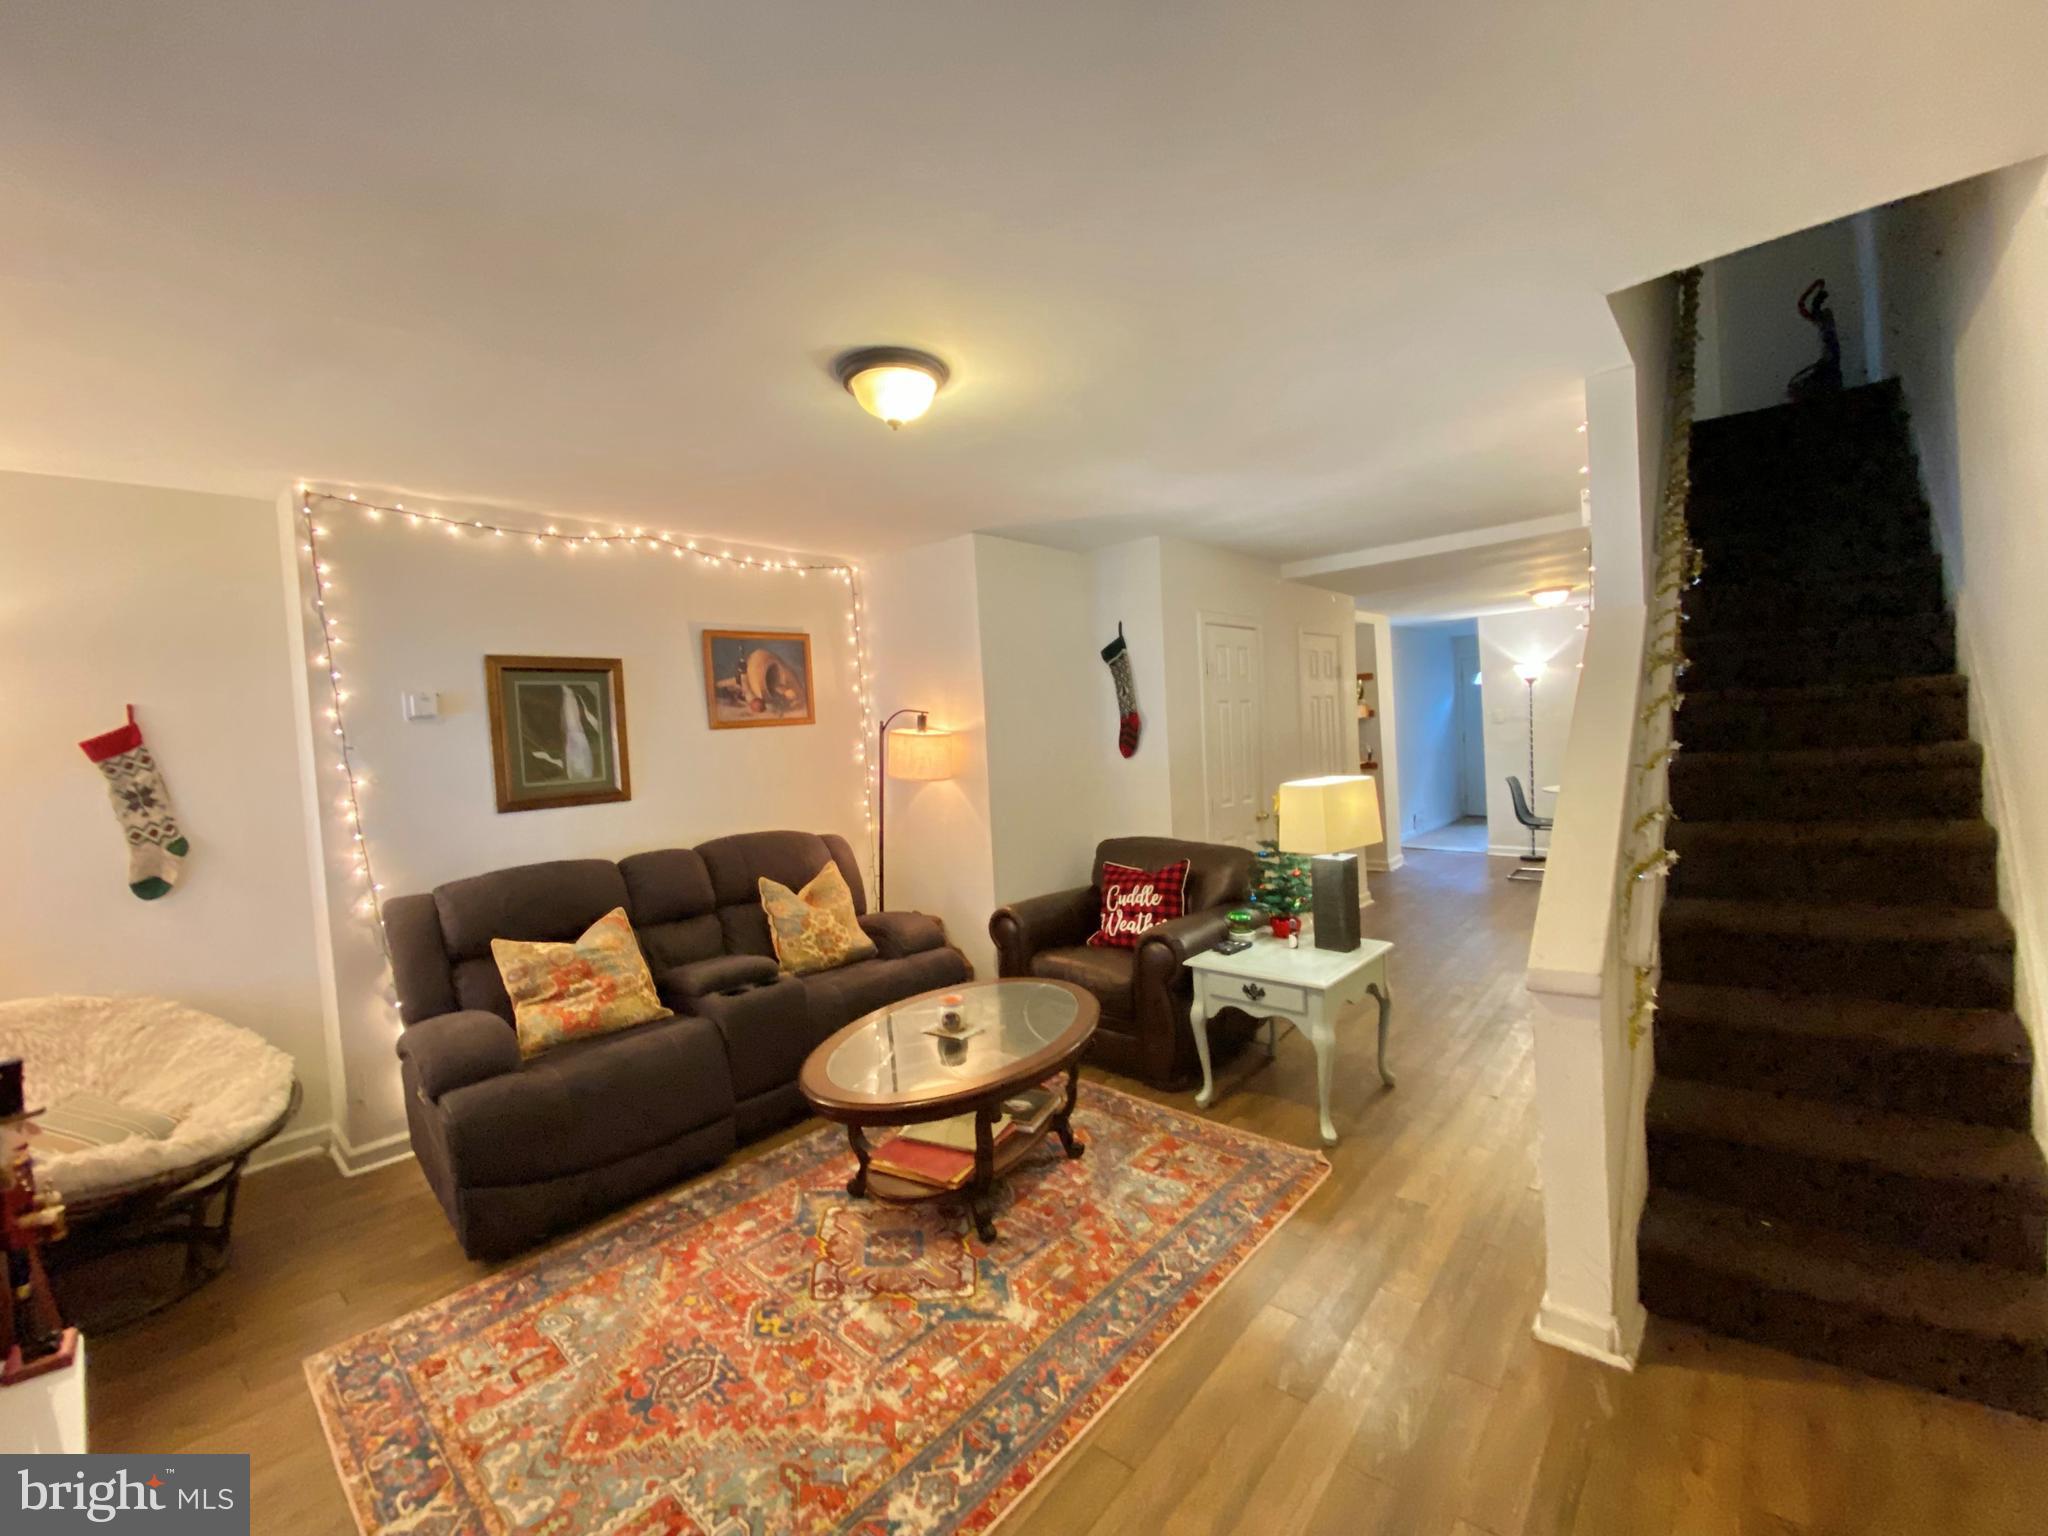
(1550, 597)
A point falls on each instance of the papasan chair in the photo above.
(227, 1092)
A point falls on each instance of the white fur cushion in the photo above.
(222, 1085)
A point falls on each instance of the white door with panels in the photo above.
(1231, 781)
(1327, 706)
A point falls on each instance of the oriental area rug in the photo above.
(759, 1352)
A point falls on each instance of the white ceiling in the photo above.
(1496, 578)
(1292, 280)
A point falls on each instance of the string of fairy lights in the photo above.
(315, 505)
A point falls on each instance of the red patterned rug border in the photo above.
(1006, 1496)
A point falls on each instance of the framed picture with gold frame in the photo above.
(755, 677)
(558, 730)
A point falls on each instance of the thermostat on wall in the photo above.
(421, 706)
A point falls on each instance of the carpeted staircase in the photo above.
(1841, 1163)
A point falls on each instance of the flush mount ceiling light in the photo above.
(893, 383)
(1550, 597)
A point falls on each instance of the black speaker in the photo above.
(1335, 877)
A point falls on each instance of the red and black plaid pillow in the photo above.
(1134, 899)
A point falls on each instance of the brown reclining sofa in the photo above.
(518, 1150)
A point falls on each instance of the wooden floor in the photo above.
(1370, 1370)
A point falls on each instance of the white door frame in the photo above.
(1204, 617)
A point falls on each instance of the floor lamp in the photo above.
(1531, 867)
(921, 754)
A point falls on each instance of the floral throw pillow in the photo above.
(1134, 900)
(565, 992)
(815, 928)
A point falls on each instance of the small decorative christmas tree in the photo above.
(1281, 883)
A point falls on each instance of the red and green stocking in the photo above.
(156, 848)
(1118, 656)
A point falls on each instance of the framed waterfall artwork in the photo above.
(757, 677)
(558, 730)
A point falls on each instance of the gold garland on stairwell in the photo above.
(1678, 566)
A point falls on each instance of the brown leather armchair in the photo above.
(1145, 991)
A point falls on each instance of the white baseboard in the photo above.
(381, 1153)
(298, 1142)
(1381, 864)
(303, 1142)
(1611, 1341)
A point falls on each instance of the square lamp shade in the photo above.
(1329, 817)
(922, 754)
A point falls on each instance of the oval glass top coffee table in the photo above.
(906, 1065)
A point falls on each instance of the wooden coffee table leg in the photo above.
(857, 1186)
(1063, 1122)
(981, 1195)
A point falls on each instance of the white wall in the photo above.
(1427, 693)
(419, 611)
(1055, 775)
(1553, 638)
(926, 653)
(1965, 282)
(1137, 795)
(169, 600)
(1197, 580)
(1753, 337)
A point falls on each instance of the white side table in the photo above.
(1308, 987)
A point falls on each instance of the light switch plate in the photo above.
(420, 706)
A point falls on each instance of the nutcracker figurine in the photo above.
(33, 1338)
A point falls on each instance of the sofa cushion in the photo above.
(672, 906)
(1107, 973)
(839, 997)
(595, 986)
(737, 863)
(540, 903)
(549, 903)
(767, 1034)
(453, 1050)
(897, 934)
(816, 928)
(1133, 900)
(1219, 874)
(682, 987)
(588, 1103)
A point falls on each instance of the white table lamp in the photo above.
(1330, 817)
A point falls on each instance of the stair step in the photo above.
(1807, 535)
(1941, 1188)
(1904, 712)
(1957, 957)
(1906, 584)
(1969, 1330)
(1937, 781)
(1913, 645)
(1882, 863)
(1853, 417)
(1969, 1064)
